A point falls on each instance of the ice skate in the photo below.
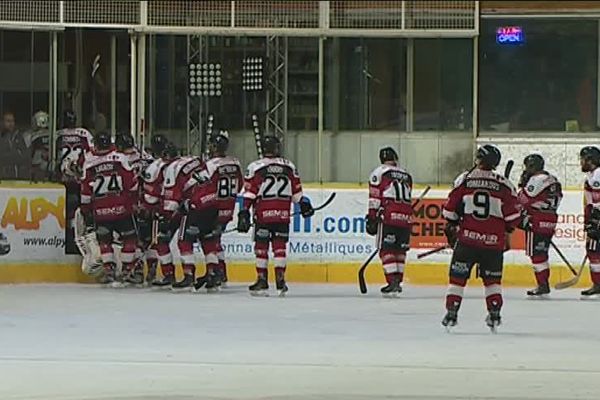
(493, 320)
(541, 291)
(135, 278)
(591, 293)
(223, 274)
(212, 282)
(164, 283)
(185, 284)
(280, 284)
(109, 278)
(450, 319)
(260, 287)
(151, 275)
(200, 282)
(392, 289)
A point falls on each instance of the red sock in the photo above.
(542, 276)
(453, 301)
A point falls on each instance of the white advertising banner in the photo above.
(33, 221)
(337, 233)
(32, 225)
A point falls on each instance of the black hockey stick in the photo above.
(562, 256)
(362, 284)
(434, 251)
(318, 208)
(507, 170)
(322, 206)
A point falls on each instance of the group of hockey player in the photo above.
(482, 210)
(143, 200)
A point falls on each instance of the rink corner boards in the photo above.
(336, 273)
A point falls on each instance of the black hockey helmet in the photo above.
(102, 140)
(157, 144)
(387, 154)
(488, 155)
(170, 150)
(69, 118)
(124, 141)
(591, 154)
(271, 145)
(533, 163)
(219, 142)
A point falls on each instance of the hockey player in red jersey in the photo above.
(589, 158)
(151, 205)
(107, 193)
(201, 220)
(139, 161)
(480, 211)
(271, 185)
(180, 177)
(166, 220)
(390, 217)
(71, 146)
(227, 172)
(540, 194)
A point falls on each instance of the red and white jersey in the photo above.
(271, 185)
(178, 181)
(152, 185)
(540, 197)
(390, 189)
(227, 172)
(591, 190)
(485, 205)
(109, 186)
(139, 160)
(73, 144)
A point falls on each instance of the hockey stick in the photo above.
(507, 170)
(322, 206)
(318, 208)
(574, 280)
(257, 135)
(434, 251)
(95, 67)
(362, 284)
(562, 256)
(208, 133)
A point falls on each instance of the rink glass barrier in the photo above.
(328, 247)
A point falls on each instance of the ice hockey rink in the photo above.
(320, 342)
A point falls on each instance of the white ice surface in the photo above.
(321, 342)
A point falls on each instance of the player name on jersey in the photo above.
(482, 184)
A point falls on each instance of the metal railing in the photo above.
(290, 18)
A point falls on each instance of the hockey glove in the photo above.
(243, 225)
(592, 226)
(306, 209)
(525, 222)
(372, 224)
(451, 232)
(184, 207)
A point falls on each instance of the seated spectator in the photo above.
(15, 158)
